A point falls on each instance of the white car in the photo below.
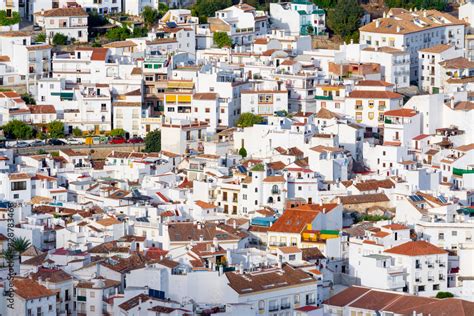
(74, 141)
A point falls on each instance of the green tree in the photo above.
(16, 129)
(77, 132)
(221, 39)
(206, 8)
(419, 4)
(96, 20)
(326, 4)
(56, 129)
(444, 295)
(117, 132)
(59, 39)
(243, 152)
(162, 9)
(28, 98)
(248, 119)
(153, 141)
(118, 34)
(150, 16)
(6, 20)
(40, 38)
(310, 29)
(344, 19)
(139, 32)
(19, 245)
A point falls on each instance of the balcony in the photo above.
(273, 308)
(286, 306)
(81, 298)
(324, 97)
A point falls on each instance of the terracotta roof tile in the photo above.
(366, 94)
(29, 289)
(416, 248)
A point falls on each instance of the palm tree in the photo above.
(19, 245)
(7, 255)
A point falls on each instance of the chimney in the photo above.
(425, 13)
(241, 268)
(452, 103)
(398, 29)
(377, 23)
(215, 243)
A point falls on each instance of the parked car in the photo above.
(22, 144)
(117, 140)
(37, 143)
(135, 140)
(74, 141)
(56, 142)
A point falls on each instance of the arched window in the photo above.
(275, 189)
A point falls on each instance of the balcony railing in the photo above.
(286, 306)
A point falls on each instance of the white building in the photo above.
(241, 22)
(412, 31)
(430, 76)
(71, 22)
(101, 7)
(298, 17)
(32, 298)
(367, 107)
(264, 102)
(426, 265)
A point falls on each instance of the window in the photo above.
(297, 299)
(292, 257)
(454, 233)
(261, 305)
(92, 294)
(18, 186)
(92, 308)
(441, 236)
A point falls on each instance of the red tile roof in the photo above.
(204, 205)
(293, 221)
(365, 94)
(416, 248)
(401, 113)
(99, 54)
(29, 289)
